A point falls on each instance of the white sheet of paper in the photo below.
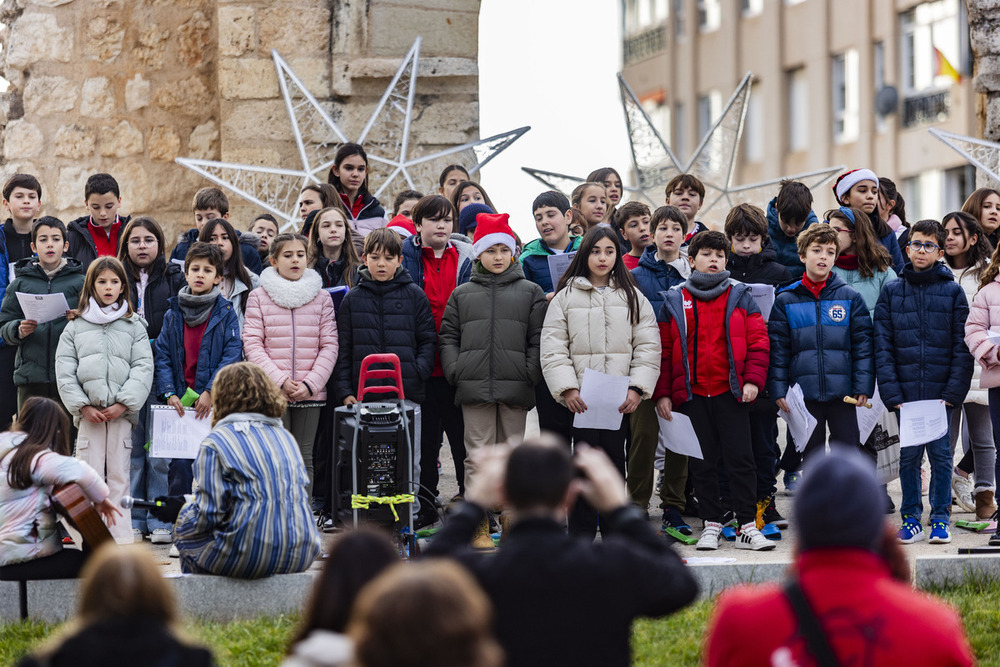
(764, 296)
(991, 336)
(176, 437)
(43, 307)
(921, 422)
(868, 419)
(558, 263)
(678, 436)
(178, 262)
(10, 272)
(801, 424)
(603, 394)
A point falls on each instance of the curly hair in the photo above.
(245, 387)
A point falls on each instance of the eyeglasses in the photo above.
(923, 247)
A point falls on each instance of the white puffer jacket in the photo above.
(970, 283)
(104, 364)
(587, 328)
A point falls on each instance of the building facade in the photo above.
(835, 82)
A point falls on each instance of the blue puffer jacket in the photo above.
(892, 245)
(413, 260)
(221, 345)
(784, 246)
(823, 345)
(391, 317)
(654, 276)
(920, 347)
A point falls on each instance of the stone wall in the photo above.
(125, 86)
(984, 37)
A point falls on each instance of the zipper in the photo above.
(694, 311)
(292, 310)
(819, 350)
(493, 324)
(48, 343)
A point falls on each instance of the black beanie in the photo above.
(467, 218)
(839, 503)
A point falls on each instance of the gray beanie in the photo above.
(839, 503)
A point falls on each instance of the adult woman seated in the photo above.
(250, 515)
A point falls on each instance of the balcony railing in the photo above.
(645, 44)
(926, 108)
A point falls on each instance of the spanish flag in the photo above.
(944, 68)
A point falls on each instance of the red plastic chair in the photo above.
(393, 373)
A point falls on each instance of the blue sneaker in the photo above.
(911, 531)
(673, 519)
(792, 480)
(940, 533)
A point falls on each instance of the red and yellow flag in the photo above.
(944, 68)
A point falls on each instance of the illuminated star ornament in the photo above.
(386, 138)
(983, 155)
(713, 162)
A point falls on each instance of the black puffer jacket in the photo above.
(762, 268)
(392, 317)
(165, 280)
(490, 338)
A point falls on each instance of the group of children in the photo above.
(485, 331)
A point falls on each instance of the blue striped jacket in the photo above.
(251, 515)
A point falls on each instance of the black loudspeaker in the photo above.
(382, 455)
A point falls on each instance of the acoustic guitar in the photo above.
(70, 502)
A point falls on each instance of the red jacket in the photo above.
(724, 344)
(869, 618)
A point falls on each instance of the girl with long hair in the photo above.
(612, 181)
(332, 250)
(591, 199)
(349, 175)
(984, 205)
(863, 262)
(237, 281)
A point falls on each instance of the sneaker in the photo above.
(174, 553)
(986, 506)
(792, 480)
(709, 540)
(481, 538)
(749, 537)
(939, 533)
(673, 519)
(911, 531)
(160, 536)
(659, 485)
(995, 538)
(326, 523)
(771, 515)
(961, 488)
(137, 535)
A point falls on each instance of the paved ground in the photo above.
(782, 553)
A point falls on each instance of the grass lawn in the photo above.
(673, 641)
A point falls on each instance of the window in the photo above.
(752, 7)
(846, 93)
(930, 193)
(679, 25)
(878, 58)
(709, 108)
(709, 15)
(798, 110)
(678, 134)
(659, 117)
(926, 30)
(753, 127)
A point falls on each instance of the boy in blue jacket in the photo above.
(921, 355)
(200, 335)
(821, 339)
(787, 215)
(661, 266)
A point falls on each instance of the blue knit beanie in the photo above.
(467, 218)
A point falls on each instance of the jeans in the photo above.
(939, 456)
(148, 475)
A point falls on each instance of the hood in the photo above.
(291, 294)
(538, 247)
(29, 266)
(940, 272)
(401, 277)
(9, 440)
(250, 239)
(484, 277)
(774, 229)
(832, 282)
(767, 254)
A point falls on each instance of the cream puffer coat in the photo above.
(970, 283)
(290, 330)
(104, 364)
(587, 328)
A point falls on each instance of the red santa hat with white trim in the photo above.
(402, 226)
(493, 228)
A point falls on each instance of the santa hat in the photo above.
(849, 179)
(492, 228)
(467, 218)
(402, 226)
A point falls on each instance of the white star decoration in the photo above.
(317, 138)
(983, 155)
(713, 162)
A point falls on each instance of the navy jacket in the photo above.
(762, 268)
(920, 338)
(391, 317)
(892, 245)
(248, 248)
(823, 345)
(221, 345)
(165, 280)
(786, 248)
(654, 276)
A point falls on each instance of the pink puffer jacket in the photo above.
(984, 319)
(290, 330)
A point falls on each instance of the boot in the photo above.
(481, 538)
(985, 505)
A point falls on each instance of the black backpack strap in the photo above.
(809, 628)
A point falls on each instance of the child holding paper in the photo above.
(921, 355)
(599, 319)
(821, 339)
(714, 361)
(200, 335)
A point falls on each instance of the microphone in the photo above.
(128, 502)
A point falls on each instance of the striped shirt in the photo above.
(251, 515)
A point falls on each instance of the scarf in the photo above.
(707, 286)
(52, 274)
(195, 308)
(98, 314)
(847, 262)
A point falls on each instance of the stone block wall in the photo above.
(125, 86)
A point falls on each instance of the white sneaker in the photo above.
(709, 540)
(161, 536)
(174, 553)
(962, 490)
(748, 537)
(136, 535)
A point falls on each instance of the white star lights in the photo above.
(714, 161)
(386, 137)
(983, 155)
